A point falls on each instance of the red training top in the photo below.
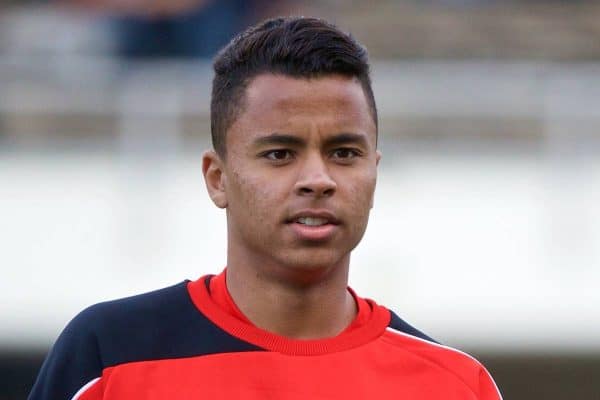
(190, 341)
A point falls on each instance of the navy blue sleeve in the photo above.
(72, 362)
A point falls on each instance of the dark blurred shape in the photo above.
(174, 28)
(199, 32)
(548, 377)
(17, 373)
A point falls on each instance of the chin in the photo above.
(314, 263)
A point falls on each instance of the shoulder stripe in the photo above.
(430, 343)
(84, 388)
(435, 344)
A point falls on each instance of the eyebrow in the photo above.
(291, 140)
(279, 138)
(346, 138)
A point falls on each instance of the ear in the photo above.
(213, 169)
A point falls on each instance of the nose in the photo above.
(314, 179)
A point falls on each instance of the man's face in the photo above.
(300, 172)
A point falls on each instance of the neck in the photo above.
(313, 309)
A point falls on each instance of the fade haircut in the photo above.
(293, 46)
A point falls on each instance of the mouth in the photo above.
(314, 218)
(312, 221)
(314, 226)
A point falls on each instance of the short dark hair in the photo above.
(293, 46)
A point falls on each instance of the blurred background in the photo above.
(486, 228)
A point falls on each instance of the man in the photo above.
(294, 128)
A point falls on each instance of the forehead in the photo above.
(288, 104)
(285, 91)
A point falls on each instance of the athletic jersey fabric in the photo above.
(182, 343)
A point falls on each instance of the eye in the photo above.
(280, 155)
(345, 154)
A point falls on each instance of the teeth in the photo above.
(310, 221)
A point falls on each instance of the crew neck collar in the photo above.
(375, 326)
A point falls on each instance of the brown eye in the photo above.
(345, 153)
(278, 155)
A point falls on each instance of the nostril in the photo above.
(316, 192)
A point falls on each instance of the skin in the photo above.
(301, 147)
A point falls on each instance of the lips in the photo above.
(314, 225)
(314, 218)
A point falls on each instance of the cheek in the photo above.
(252, 196)
(361, 194)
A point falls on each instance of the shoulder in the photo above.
(402, 327)
(104, 322)
(128, 312)
(157, 325)
(103, 335)
(444, 359)
(102, 318)
(133, 328)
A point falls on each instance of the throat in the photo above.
(299, 313)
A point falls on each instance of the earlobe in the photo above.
(215, 178)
